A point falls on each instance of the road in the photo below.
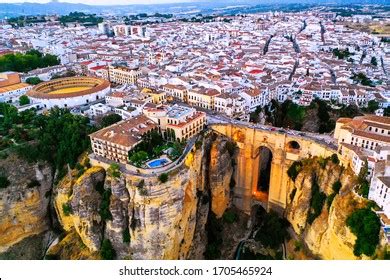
(217, 118)
(324, 139)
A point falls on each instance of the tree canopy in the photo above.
(33, 80)
(33, 59)
(365, 224)
(110, 119)
(24, 100)
(58, 137)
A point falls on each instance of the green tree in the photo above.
(316, 203)
(110, 119)
(24, 100)
(273, 231)
(163, 177)
(138, 158)
(372, 106)
(365, 224)
(114, 170)
(33, 80)
(33, 59)
(60, 138)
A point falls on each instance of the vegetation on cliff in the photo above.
(272, 231)
(4, 182)
(294, 170)
(107, 252)
(363, 186)
(323, 180)
(58, 137)
(365, 224)
(319, 116)
(316, 202)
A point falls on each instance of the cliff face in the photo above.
(221, 171)
(328, 237)
(24, 203)
(162, 222)
(145, 218)
(160, 217)
(77, 203)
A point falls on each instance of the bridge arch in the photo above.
(285, 148)
(263, 169)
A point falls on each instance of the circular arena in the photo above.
(69, 92)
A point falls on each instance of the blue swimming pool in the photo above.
(157, 162)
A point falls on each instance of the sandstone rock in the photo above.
(328, 237)
(85, 202)
(220, 172)
(24, 203)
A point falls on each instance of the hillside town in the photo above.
(168, 81)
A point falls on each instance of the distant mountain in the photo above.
(197, 6)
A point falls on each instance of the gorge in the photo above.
(205, 208)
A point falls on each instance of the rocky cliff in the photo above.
(25, 201)
(327, 236)
(188, 216)
(161, 218)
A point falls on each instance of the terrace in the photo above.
(154, 152)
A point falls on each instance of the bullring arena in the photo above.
(69, 92)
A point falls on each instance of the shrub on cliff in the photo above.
(365, 224)
(336, 186)
(294, 170)
(126, 235)
(4, 182)
(316, 203)
(114, 170)
(335, 159)
(67, 209)
(105, 206)
(107, 252)
(163, 178)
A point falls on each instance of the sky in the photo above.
(102, 2)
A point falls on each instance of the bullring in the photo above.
(69, 92)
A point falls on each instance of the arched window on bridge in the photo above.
(293, 147)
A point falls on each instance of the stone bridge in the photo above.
(264, 156)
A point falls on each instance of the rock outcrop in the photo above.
(160, 217)
(328, 236)
(77, 203)
(24, 202)
(220, 174)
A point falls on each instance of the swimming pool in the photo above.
(157, 162)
